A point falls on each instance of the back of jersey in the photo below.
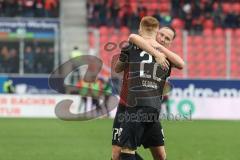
(146, 79)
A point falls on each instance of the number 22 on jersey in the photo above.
(153, 71)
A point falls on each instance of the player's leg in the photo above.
(154, 140)
(132, 132)
(137, 156)
(158, 152)
(127, 154)
(116, 151)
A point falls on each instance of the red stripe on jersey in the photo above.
(124, 89)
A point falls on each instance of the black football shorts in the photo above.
(141, 126)
(116, 130)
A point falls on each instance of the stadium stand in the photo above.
(29, 8)
(35, 52)
(209, 24)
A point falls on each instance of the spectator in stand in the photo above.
(52, 8)
(14, 61)
(10, 8)
(208, 7)
(28, 60)
(218, 16)
(39, 8)
(231, 20)
(142, 10)
(157, 15)
(238, 21)
(126, 19)
(5, 60)
(91, 12)
(28, 8)
(1, 61)
(188, 21)
(103, 12)
(45, 59)
(164, 18)
(198, 25)
(114, 9)
(176, 8)
(50, 59)
(2, 7)
(39, 60)
(134, 22)
(197, 9)
(192, 12)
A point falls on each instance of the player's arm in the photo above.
(140, 42)
(176, 60)
(121, 62)
(119, 66)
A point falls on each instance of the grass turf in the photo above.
(53, 139)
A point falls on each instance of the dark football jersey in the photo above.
(146, 78)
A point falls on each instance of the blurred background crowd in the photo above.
(29, 8)
(192, 15)
(205, 21)
(38, 58)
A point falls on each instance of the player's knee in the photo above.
(115, 156)
(161, 156)
(116, 152)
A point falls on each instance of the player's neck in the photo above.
(148, 35)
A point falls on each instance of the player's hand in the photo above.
(162, 61)
(123, 57)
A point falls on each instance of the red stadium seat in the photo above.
(110, 31)
(113, 38)
(103, 39)
(153, 6)
(163, 1)
(124, 30)
(237, 32)
(226, 7)
(206, 54)
(123, 37)
(103, 30)
(134, 6)
(177, 23)
(190, 39)
(234, 67)
(215, 6)
(132, 1)
(164, 7)
(208, 41)
(236, 7)
(208, 24)
(197, 40)
(178, 41)
(207, 32)
(218, 32)
(219, 41)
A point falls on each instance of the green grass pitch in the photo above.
(53, 139)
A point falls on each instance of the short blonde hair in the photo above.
(149, 23)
